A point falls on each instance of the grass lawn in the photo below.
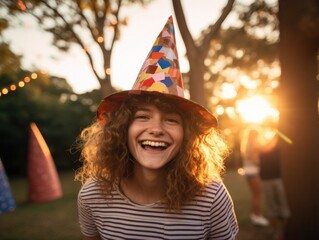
(57, 219)
(240, 193)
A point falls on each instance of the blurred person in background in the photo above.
(272, 183)
(250, 149)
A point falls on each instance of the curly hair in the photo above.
(106, 157)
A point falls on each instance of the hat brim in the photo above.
(113, 101)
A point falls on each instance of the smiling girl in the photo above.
(152, 161)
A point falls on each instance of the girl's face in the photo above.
(154, 137)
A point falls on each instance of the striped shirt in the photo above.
(209, 216)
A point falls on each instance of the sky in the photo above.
(144, 24)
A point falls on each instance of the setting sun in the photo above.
(256, 109)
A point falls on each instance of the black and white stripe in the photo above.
(209, 216)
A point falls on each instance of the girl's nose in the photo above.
(156, 128)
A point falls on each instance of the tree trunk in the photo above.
(299, 117)
(196, 82)
(196, 54)
(106, 86)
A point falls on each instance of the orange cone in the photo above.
(43, 180)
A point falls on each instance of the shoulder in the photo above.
(92, 192)
(218, 196)
(213, 194)
(89, 185)
(222, 213)
(215, 189)
(89, 190)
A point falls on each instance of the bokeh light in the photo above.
(228, 91)
(256, 109)
(248, 82)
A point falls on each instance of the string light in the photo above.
(108, 71)
(100, 39)
(34, 76)
(4, 91)
(13, 87)
(21, 84)
(21, 5)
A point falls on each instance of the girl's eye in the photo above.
(141, 117)
(173, 120)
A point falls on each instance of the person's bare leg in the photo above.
(256, 200)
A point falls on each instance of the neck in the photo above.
(144, 187)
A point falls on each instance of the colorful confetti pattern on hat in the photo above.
(160, 71)
(160, 75)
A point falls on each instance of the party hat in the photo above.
(160, 71)
(7, 202)
(43, 180)
(159, 75)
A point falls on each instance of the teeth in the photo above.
(154, 144)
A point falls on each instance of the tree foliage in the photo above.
(248, 50)
(253, 41)
(196, 51)
(245, 51)
(10, 62)
(50, 102)
(93, 25)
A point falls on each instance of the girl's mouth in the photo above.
(154, 145)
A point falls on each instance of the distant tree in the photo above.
(93, 25)
(236, 54)
(50, 102)
(35, 97)
(197, 51)
(10, 62)
(243, 61)
(241, 46)
(249, 48)
(299, 45)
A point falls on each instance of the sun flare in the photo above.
(256, 109)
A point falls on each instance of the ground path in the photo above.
(251, 232)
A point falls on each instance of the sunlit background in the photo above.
(241, 85)
(129, 53)
(54, 84)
